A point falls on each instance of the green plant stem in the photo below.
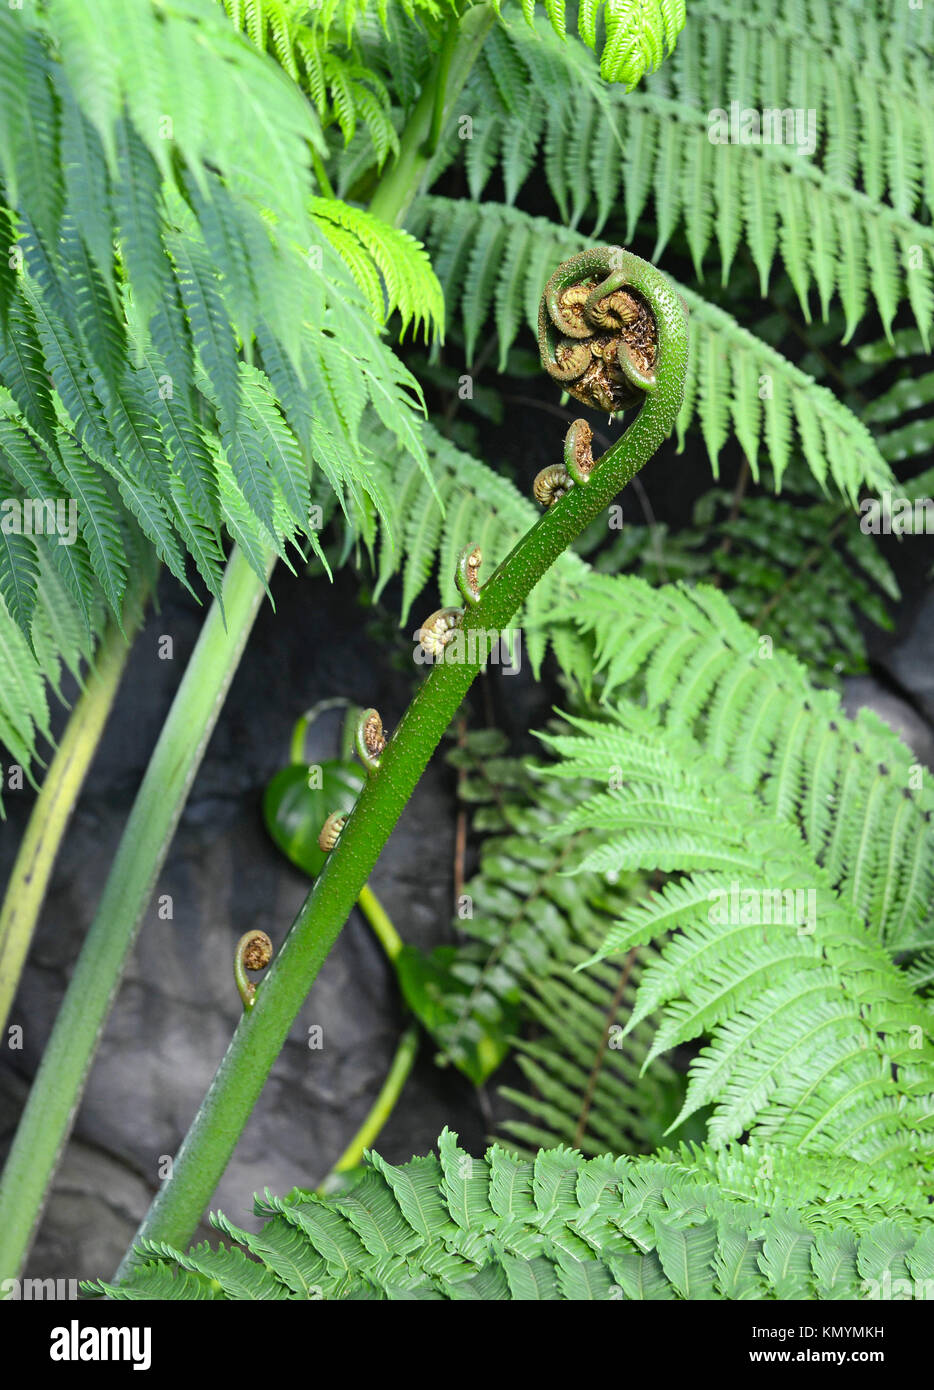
(327, 188)
(379, 920)
(261, 1033)
(54, 1097)
(382, 1107)
(462, 45)
(53, 808)
(442, 90)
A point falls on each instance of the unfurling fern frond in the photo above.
(804, 846)
(466, 503)
(492, 262)
(562, 1227)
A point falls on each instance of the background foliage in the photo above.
(195, 344)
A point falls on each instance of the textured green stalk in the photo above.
(55, 1094)
(382, 1108)
(262, 1032)
(53, 807)
(400, 184)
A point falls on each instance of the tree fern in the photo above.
(230, 217)
(566, 1228)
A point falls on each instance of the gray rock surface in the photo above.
(866, 692)
(911, 660)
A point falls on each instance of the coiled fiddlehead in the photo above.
(437, 630)
(597, 333)
(254, 952)
(606, 320)
(369, 739)
(330, 832)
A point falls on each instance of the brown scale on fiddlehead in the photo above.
(597, 335)
(370, 739)
(331, 831)
(254, 952)
(467, 576)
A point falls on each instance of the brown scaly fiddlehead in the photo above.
(467, 574)
(599, 339)
(370, 739)
(437, 630)
(254, 952)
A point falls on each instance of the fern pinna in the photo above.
(801, 569)
(680, 1225)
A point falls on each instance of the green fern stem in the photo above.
(424, 126)
(46, 1120)
(262, 1031)
(54, 805)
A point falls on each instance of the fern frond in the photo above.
(562, 1227)
(305, 45)
(780, 956)
(841, 205)
(637, 36)
(802, 567)
(408, 281)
